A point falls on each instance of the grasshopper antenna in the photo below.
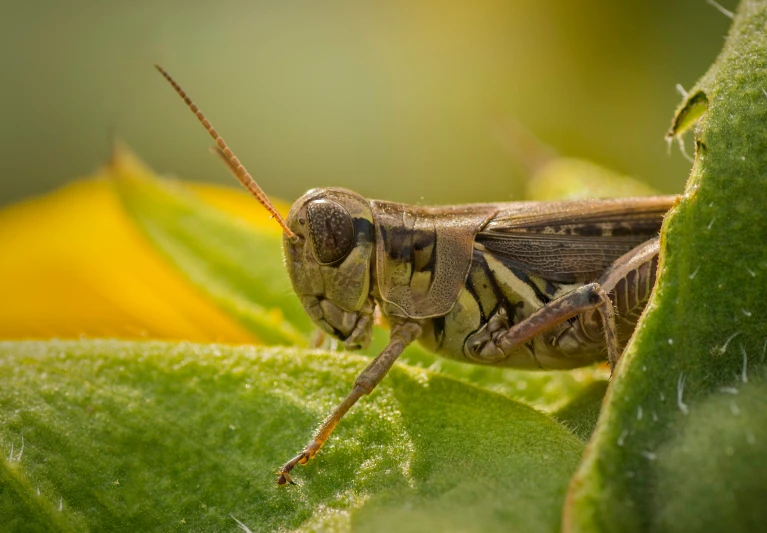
(230, 159)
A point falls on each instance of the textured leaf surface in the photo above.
(107, 435)
(681, 444)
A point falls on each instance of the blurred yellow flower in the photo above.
(75, 264)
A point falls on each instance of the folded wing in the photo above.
(571, 242)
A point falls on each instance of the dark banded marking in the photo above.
(424, 257)
(589, 230)
(551, 288)
(474, 294)
(543, 299)
(479, 260)
(483, 289)
(439, 330)
(424, 246)
(363, 230)
(398, 243)
(526, 279)
(413, 246)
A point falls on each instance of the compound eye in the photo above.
(331, 231)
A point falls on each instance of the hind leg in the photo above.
(495, 344)
(630, 279)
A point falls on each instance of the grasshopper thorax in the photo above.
(330, 262)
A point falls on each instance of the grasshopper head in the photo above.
(329, 261)
(328, 242)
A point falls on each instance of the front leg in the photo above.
(499, 342)
(401, 335)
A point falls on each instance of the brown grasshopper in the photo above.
(533, 285)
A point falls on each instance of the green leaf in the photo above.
(582, 411)
(239, 267)
(157, 436)
(680, 445)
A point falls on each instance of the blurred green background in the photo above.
(401, 100)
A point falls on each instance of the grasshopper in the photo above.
(531, 285)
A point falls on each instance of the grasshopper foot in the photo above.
(285, 478)
(300, 459)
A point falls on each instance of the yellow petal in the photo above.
(73, 264)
